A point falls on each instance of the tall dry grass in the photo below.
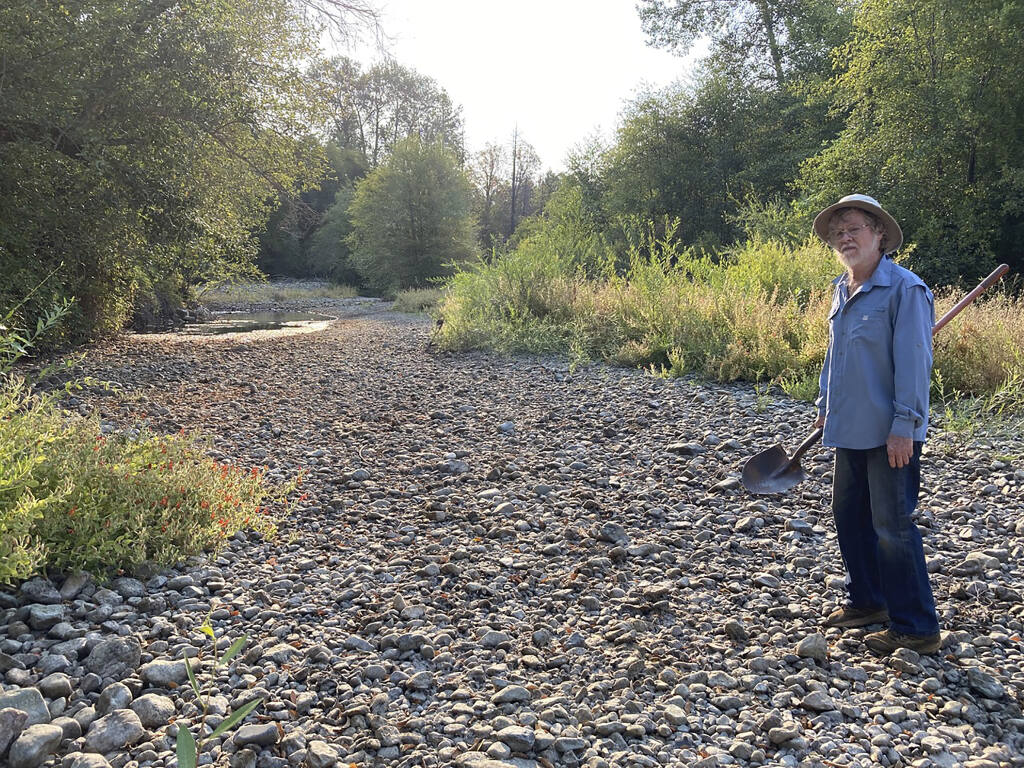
(756, 313)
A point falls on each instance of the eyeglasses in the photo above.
(836, 237)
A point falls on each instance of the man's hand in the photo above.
(819, 422)
(900, 450)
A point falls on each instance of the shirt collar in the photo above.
(882, 276)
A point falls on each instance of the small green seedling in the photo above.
(187, 748)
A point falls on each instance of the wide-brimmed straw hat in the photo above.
(893, 233)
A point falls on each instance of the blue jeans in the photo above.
(873, 505)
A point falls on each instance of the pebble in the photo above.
(505, 561)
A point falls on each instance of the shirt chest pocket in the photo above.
(870, 324)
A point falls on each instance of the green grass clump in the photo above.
(667, 309)
(232, 294)
(418, 300)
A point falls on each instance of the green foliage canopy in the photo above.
(411, 217)
(144, 139)
(934, 129)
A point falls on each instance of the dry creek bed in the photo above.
(505, 562)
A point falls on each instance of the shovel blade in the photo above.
(771, 471)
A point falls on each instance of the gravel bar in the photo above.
(507, 562)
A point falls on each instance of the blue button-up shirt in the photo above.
(878, 365)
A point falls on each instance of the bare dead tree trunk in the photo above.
(515, 157)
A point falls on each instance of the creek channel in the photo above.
(245, 322)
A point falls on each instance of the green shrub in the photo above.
(73, 498)
(759, 313)
(417, 300)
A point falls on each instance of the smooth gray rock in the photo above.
(510, 694)
(71, 727)
(35, 744)
(12, 723)
(262, 735)
(517, 737)
(56, 685)
(570, 743)
(85, 760)
(74, 584)
(164, 673)
(114, 731)
(813, 647)
(818, 701)
(115, 658)
(481, 760)
(42, 617)
(674, 715)
(39, 591)
(320, 754)
(421, 681)
(783, 733)
(493, 638)
(984, 684)
(614, 534)
(127, 587)
(115, 696)
(30, 701)
(153, 710)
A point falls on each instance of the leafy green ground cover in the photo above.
(72, 497)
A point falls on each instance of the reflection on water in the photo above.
(242, 322)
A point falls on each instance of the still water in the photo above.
(243, 322)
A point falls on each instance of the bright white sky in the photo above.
(560, 69)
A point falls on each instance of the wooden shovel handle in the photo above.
(984, 285)
(812, 438)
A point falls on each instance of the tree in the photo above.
(487, 171)
(525, 163)
(329, 253)
(505, 181)
(373, 110)
(769, 39)
(935, 129)
(304, 236)
(411, 217)
(143, 140)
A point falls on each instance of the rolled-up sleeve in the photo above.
(912, 360)
(822, 400)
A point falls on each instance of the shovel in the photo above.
(773, 471)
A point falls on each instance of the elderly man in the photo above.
(873, 405)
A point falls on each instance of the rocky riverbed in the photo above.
(505, 562)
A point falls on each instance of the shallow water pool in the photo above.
(244, 322)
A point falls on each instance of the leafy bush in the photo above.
(417, 300)
(74, 498)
